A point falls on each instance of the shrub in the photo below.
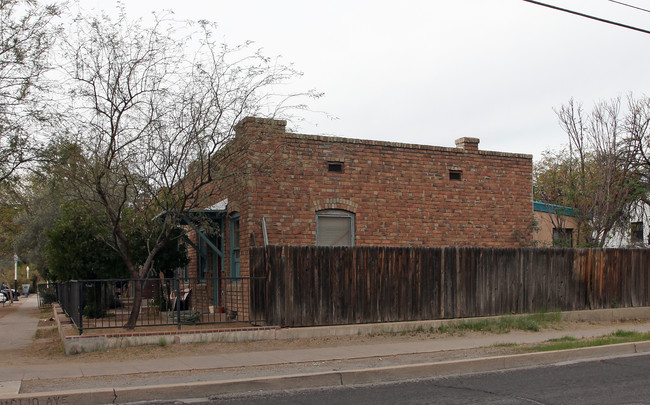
(92, 310)
(48, 297)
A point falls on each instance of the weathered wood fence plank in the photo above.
(304, 286)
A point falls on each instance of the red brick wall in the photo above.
(401, 194)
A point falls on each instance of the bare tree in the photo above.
(27, 33)
(154, 110)
(600, 173)
(637, 129)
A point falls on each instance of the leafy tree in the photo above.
(552, 186)
(10, 209)
(27, 34)
(75, 248)
(42, 222)
(41, 196)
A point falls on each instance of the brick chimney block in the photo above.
(467, 143)
(260, 126)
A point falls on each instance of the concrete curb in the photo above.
(327, 379)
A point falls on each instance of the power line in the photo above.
(629, 5)
(589, 16)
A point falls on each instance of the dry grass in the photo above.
(43, 350)
(46, 313)
(46, 333)
(7, 309)
(46, 323)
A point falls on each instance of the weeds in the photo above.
(504, 324)
(567, 342)
(412, 332)
(506, 345)
(43, 333)
(624, 333)
(563, 339)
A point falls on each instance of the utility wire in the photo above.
(589, 16)
(629, 5)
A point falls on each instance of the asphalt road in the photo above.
(621, 380)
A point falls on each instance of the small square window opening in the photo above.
(335, 167)
(455, 175)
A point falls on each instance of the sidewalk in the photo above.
(212, 374)
(18, 327)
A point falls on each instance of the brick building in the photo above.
(290, 189)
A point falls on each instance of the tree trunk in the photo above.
(139, 276)
(137, 302)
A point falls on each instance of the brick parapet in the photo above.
(268, 126)
(388, 144)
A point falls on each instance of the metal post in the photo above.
(178, 301)
(266, 236)
(15, 296)
(80, 308)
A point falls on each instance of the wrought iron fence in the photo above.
(98, 304)
(70, 298)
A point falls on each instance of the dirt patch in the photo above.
(47, 333)
(7, 309)
(44, 349)
(50, 349)
(46, 323)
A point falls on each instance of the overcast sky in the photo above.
(429, 72)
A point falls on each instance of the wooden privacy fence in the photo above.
(332, 286)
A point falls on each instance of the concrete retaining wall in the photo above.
(84, 343)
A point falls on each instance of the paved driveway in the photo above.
(18, 327)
